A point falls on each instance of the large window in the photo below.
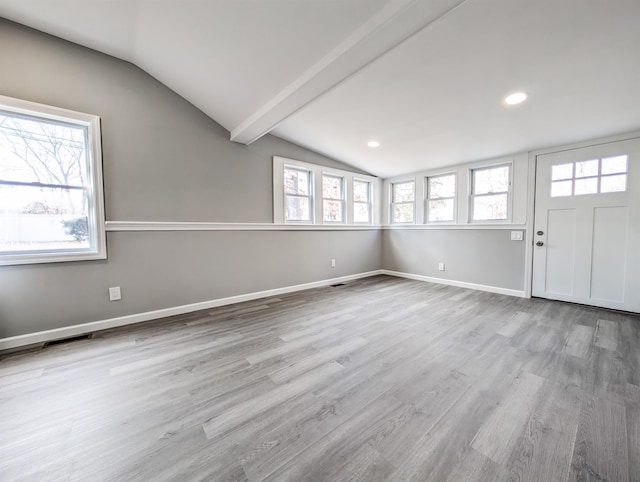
(305, 193)
(51, 206)
(490, 188)
(403, 206)
(298, 188)
(361, 201)
(332, 199)
(441, 198)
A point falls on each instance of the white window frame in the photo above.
(309, 196)
(393, 202)
(509, 194)
(94, 188)
(428, 198)
(369, 201)
(342, 198)
(279, 164)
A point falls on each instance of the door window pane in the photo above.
(616, 183)
(561, 188)
(586, 186)
(562, 171)
(614, 165)
(587, 168)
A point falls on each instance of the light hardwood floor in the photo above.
(380, 379)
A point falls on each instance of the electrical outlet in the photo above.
(333, 262)
(440, 266)
(114, 293)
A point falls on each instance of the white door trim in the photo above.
(533, 155)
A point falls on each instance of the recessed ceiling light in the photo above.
(516, 98)
(373, 144)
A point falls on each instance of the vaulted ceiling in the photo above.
(425, 78)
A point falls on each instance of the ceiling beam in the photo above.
(392, 25)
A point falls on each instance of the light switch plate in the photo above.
(516, 236)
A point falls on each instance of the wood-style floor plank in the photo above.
(380, 379)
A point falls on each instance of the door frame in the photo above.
(531, 193)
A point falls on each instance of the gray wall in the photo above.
(481, 256)
(163, 160)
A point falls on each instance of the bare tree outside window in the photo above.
(441, 194)
(490, 193)
(403, 195)
(297, 188)
(43, 184)
(332, 199)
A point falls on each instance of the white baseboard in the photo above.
(460, 284)
(75, 330)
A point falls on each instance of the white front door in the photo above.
(587, 226)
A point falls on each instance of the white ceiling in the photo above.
(424, 77)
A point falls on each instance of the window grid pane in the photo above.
(297, 181)
(491, 207)
(441, 210)
(403, 212)
(297, 208)
(492, 180)
(361, 212)
(332, 187)
(442, 186)
(404, 192)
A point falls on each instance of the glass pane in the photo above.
(586, 186)
(361, 213)
(32, 150)
(33, 218)
(332, 211)
(613, 183)
(614, 165)
(297, 209)
(331, 187)
(404, 192)
(561, 188)
(587, 168)
(403, 213)
(562, 171)
(490, 207)
(440, 210)
(296, 182)
(442, 186)
(495, 179)
(360, 191)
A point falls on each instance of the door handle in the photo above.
(539, 243)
